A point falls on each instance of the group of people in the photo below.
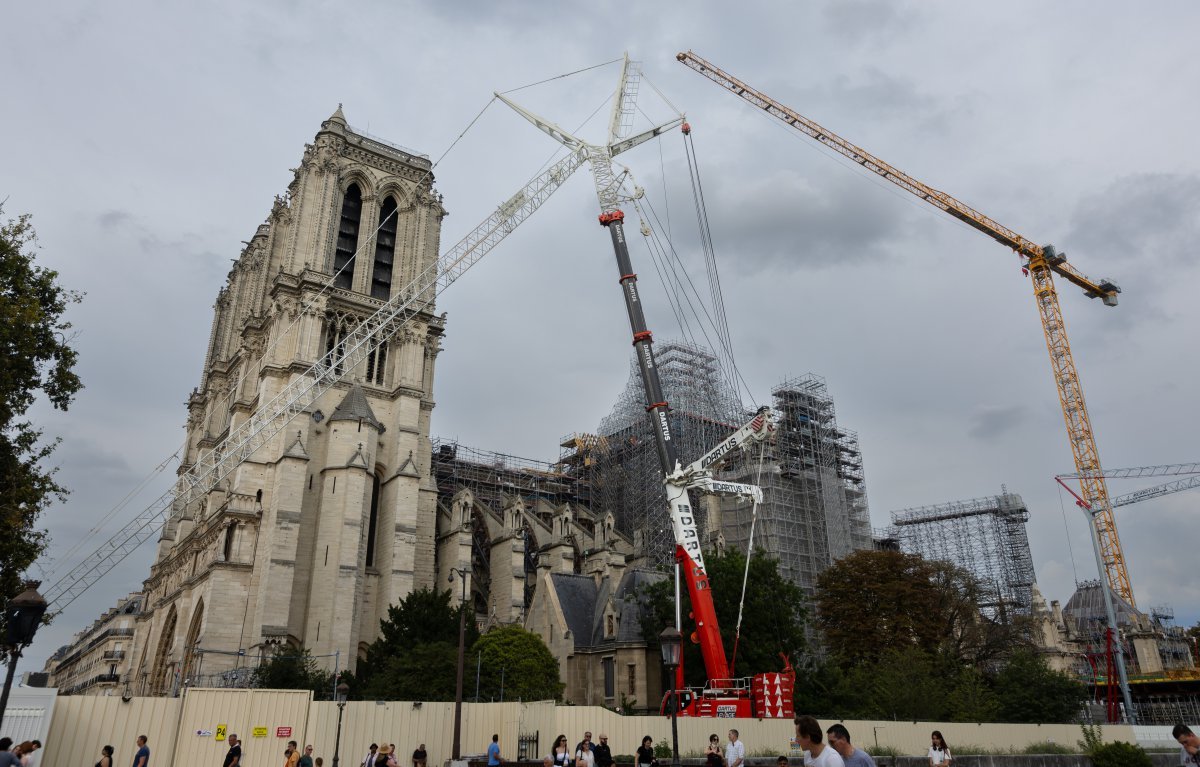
(386, 755)
(585, 754)
(20, 755)
(834, 749)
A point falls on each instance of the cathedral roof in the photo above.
(355, 407)
(297, 449)
(337, 116)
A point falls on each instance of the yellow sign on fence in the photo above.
(260, 732)
(221, 730)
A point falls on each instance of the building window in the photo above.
(347, 241)
(335, 343)
(610, 629)
(385, 250)
(631, 679)
(610, 682)
(229, 543)
(377, 364)
(373, 521)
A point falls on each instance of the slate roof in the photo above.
(583, 604)
(355, 406)
(1087, 604)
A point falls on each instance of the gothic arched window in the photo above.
(347, 241)
(385, 250)
(229, 531)
(373, 521)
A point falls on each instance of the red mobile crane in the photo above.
(763, 695)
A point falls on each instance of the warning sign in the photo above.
(283, 732)
(260, 732)
(221, 730)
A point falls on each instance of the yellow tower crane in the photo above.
(1042, 263)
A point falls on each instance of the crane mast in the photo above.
(1042, 262)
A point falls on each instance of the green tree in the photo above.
(872, 603)
(774, 615)
(416, 654)
(1030, 691)
(37, 358)
(516, 664)
(290, 668)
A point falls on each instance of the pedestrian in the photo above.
(584, 756)
(839, 740)
(142, 757)
(32, 758)
(493, 752)
(291, 754)
(393, 759)
(382, 754)
(547, 761)
(603, 753)
(8, 758)
(782, 761)
(809, 736)
(735, 752)
(369, 759)
(587, 738)
(420, 757)
(559, 753)
(106, 757)
(306, 757)
(1189, 743)
(712, 752)
(645, 753)
(939, 752)
(320, 761)
(233, 757)
(23, 750)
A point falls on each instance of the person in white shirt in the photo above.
(939, 752)
(809, 736)
(735, 752)
(584, 756)
(369, 759)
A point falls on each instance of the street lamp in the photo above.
(455, 752)
(671, 644)
(22, 615)
(343, 690)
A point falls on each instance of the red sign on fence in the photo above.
(283, 732)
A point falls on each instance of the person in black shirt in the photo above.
(233, 756)
(645, 753)
(603, 754)
(420, 756)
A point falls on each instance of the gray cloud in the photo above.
(991, 421)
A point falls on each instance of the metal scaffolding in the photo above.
(985, 536)
(814, 508)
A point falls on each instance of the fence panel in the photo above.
(83, 724)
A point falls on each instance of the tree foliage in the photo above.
(774, 621)
(37, 360)
(1030, 691)
(416, 654)
(515, 664)
(872, 603)
(289, 668)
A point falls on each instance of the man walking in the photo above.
(735, 752)
(1189, 744)
(494, 759)
(839, 740)
(306, 759)
(233, 757)
(142, 757)
(602, 753)
(369, 761)
(816, 753)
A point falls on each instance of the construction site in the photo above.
(320, 369)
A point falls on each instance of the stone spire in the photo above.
(355, 407)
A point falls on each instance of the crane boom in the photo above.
(1156, 491)
(272, 417)
(1043, 262)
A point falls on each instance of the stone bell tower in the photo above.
(310, 540)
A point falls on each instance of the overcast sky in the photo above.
(148, 140)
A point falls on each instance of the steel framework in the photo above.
(985, 536)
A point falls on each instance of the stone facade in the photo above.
(97, 659)
(310, 540)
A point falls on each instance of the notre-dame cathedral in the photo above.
(309, 541)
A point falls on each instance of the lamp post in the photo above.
(456, 751)
(671, 644)
(22, 615)
(343, 690)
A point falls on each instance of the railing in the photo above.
(114, 654)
